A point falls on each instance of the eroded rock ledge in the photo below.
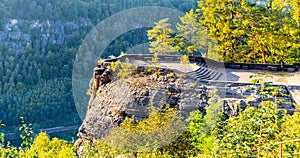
(113, 98)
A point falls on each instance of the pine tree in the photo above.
(220, 17)
(191, 36)
(161, 41)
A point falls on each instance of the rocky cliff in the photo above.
(18, 33)
(114, 98)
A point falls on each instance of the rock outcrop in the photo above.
(17, 33)
(114, 98)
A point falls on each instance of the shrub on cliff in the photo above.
(124, 69)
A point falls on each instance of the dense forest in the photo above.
(39, 41)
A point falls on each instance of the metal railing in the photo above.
(281, 148)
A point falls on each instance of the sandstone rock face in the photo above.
(18, 32)
(113, 98)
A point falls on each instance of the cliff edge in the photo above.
(115, 96)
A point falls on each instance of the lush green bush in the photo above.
(43, 146)
(123, 69)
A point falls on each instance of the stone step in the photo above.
(208, 75)
(213, 75)
(218, 76)
(207, 66)
(200, 70)
(198, 73)
(211, 67)
(200, 64)
(207, 72)
(205, 78)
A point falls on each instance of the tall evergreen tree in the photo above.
(220, 17)
(160, 37)
(191, 35)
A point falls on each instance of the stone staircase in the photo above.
(205, 72)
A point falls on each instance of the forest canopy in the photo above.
(235, 31)
(36, 73)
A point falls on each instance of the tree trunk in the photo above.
(260, 48)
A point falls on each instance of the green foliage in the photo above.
(126, 69)
(41, 146)
(130, 134)
(160, 38)
(44, 104)
(149, 134)
(8, 151)
(265, 88)
(234, 31)
(184, 59)
(123, 69)
(201, 131)
(99, 149)
(241, 29)
(148, 71)
(260, 78)
(122, 53)
(27, 134)
(115, 66)
(171, 75)
(181, 147)
(191, 36)
(2, 136)
(252, 133)
(88, 92)
(193, 85)
(36, 83)
(44, 147)
(61, 10)
(291, 131)
(155, 58)
(157, 119)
